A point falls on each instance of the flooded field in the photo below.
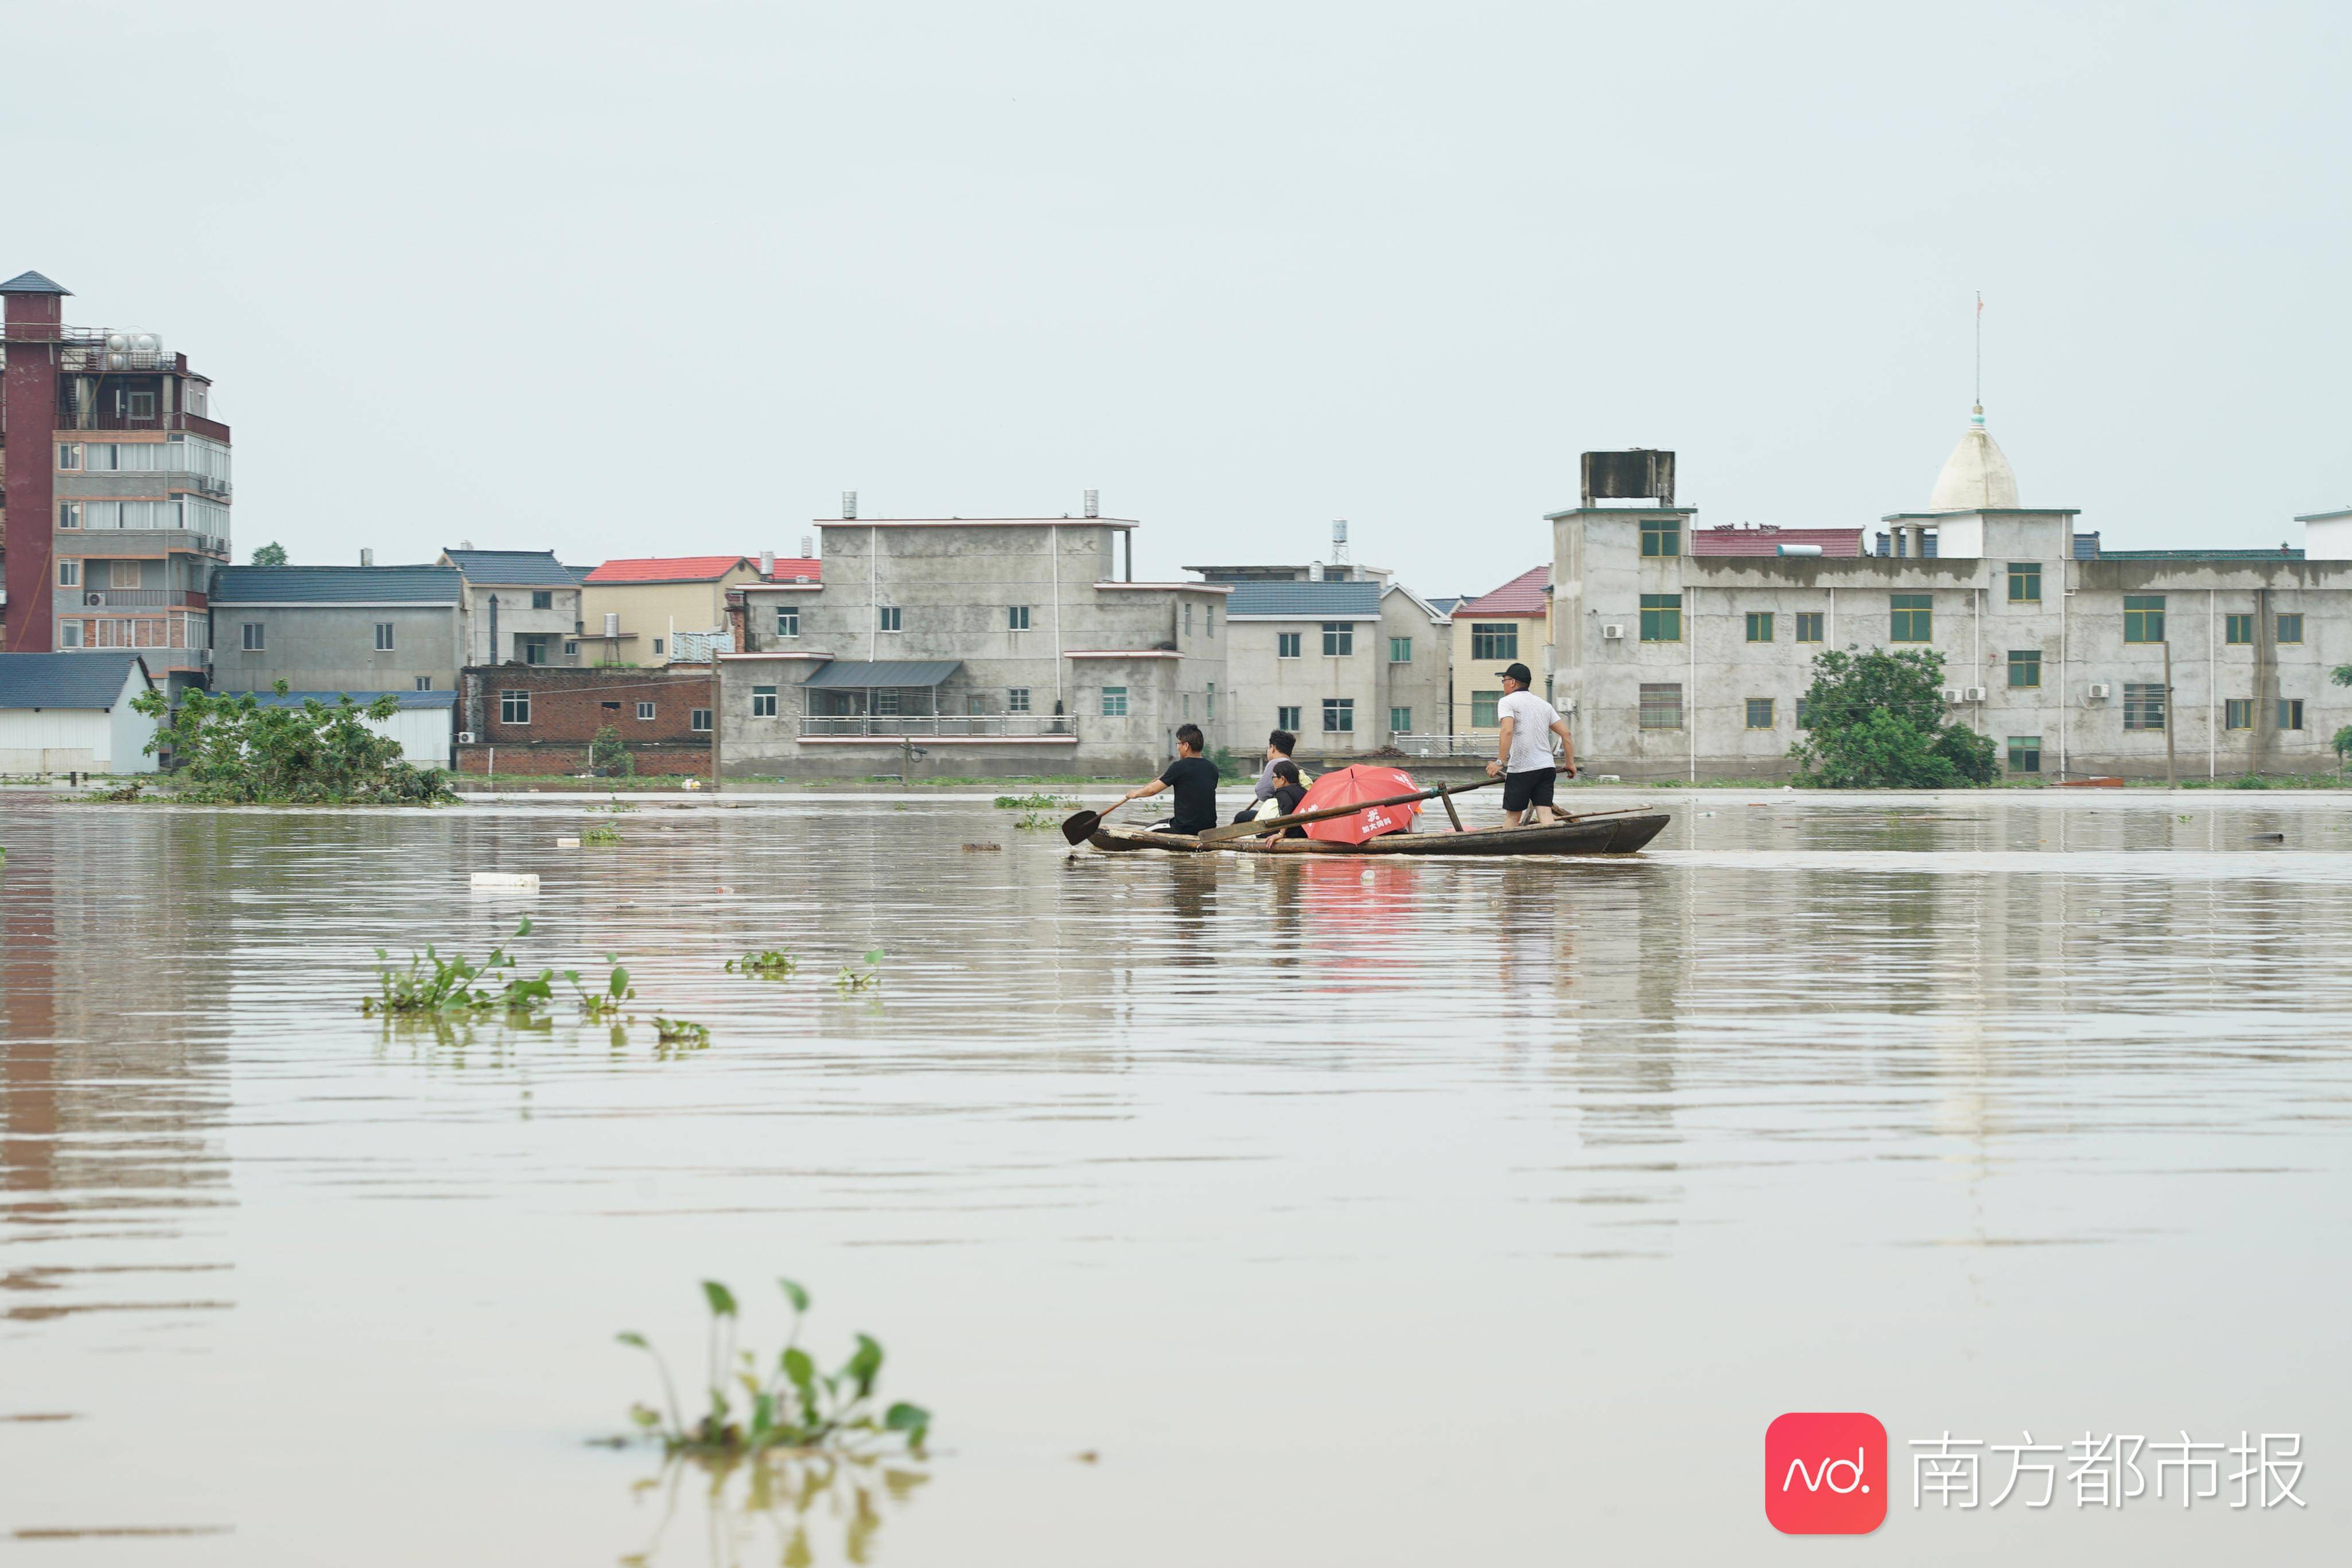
(1222, 1212)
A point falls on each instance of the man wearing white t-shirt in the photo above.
(1524, 762)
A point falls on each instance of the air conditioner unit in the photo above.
(1951, 694)
(93, 599)
(1974, 695)
(465, 738)
(2101, 691)
(1612, 634)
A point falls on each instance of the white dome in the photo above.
(1977, 475)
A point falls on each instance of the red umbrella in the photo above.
(1347, 785)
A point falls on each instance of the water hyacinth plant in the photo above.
(604, 1003)
(771, 962)
(676, 1031)
(790, 1406)
(852, 978)
(432, 984)
(600, 835)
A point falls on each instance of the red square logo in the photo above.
(1825, 1474)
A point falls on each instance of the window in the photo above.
(1804, 712)
(1400, 721)
(1661, 621)
(763, 702)
(1211, 700)
(788, 619)
(2024, 667)
(1188, 618)
(1759, 625)
(1114, 702)
(534, 650)
(645, 711)
(1285, 644)
(1662, 705)
(69, 514)
(2143, 618)
(1338, 716)
(514, 707)
(253, 642)
(424, 683)
(1482, 710)
(1399, 650)
(2025, 754)
(1494, 639)
(69, 635)
(891, 620)
(1661, 536)
(2025, 588)
(1186, 698)
(1338, 639)
(657, 644)
(1759, 713)
(141, 406)
(1286, 719)
(69, 455)
(2238, 713)
(2290, 713)
(1912, 618)
(383, 636)
(885, 699)
(1808, 625)
(2238, 629)
(698, 720)
(1016, 700)
(973, 707)
(2290, 630)
(68, 574)
(1016, 618)
(1209, 615)
(2143, 705)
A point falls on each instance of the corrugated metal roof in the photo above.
(32, 283)
(511, 568)
(2280, 554)
(889, 673)
(1767, 541)
(1523, 595)
(336, 585)
(64, 679)
(665, 569)
(296, 699)
(1305, 601)
(2086, 547)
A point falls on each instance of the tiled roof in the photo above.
(1768, 540)
(296, 699)
(665, 569)
(851, 673)
(791, 567)
(511, 568)
(1523, 595)
(335, 585)
(2281, 553)
(32, 283)
(1303, 600)
(1446, 606)
(63, 680)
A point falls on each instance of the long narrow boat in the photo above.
(1613, 835)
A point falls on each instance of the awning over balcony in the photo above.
(846, 674)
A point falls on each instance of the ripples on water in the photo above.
(1384, 1212)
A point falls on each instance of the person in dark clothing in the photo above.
(1279, 748)
(1287, 792)
(1193, 778)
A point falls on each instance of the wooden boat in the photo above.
(1619, 834)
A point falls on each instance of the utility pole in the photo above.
(2170, 782)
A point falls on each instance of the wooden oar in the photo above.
(1262, 825)
(1079, 826)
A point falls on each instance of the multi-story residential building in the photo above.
(995, 644)
(521, 606)
(365, 630)
(638, 612)
(1510, 624)
(1690, 662)
(117, 489)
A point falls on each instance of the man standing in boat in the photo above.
(1524, 757)
(1193, 778)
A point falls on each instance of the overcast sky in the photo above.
(664, 279)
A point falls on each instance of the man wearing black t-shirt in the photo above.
(1193, 778)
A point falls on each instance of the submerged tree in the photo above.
(230, 749)
(1877, 720)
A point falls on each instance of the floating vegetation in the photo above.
(771, 962)
(797, 1497)
(852, 978)
(432, 984)
(615, 805)
(604, 1003)
(791, 1406)
(1040, 810)
(600, 834)
(680, 1032)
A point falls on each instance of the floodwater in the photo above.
(1223, 1212)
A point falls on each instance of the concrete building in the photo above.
(364, 630)
(637, 611)
(117, 489)
(996, 646)
(519, 606)
(1510, 624)
(1686, 665)
(66, 712)
(543, 719)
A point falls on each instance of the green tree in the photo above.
(270, 554)
(1875, 720)
(606, 749)
(229, 749)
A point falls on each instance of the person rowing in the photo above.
(1193, 778)
(1524, 755)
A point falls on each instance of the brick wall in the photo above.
(557, 761)
(568, 704)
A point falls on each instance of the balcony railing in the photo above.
(70, 420)
(131, 599)
(1445, 745)
(943, 725)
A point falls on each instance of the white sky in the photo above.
(641, 279)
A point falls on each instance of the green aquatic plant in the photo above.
(600, 835)
(852, 978)
(432, 984)
(771, 963)
(680, 1032)
(1042, 801)
(606, 1003)
(615, 805)
(789, 1405)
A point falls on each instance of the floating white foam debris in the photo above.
(567, 844)
(505, 881)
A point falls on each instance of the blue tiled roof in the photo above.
(1304, 600)
(336, 585)
(296, 699)
(2200, 554)
(63, 680)
(512, 568)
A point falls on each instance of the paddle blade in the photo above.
(1079, 826)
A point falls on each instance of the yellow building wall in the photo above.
(653, 609)
(1473, 675)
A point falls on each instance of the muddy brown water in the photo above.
(1222, 1211)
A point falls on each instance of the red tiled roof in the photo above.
(1523, 595)
(797, 566)
(1765, 540)
(666, 569)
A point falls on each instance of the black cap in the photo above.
(1519, 673)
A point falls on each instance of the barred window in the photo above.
(2143, 704)
(1661, 705)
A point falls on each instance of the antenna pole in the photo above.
(1979, 398)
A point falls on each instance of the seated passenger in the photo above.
(1288, 791)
